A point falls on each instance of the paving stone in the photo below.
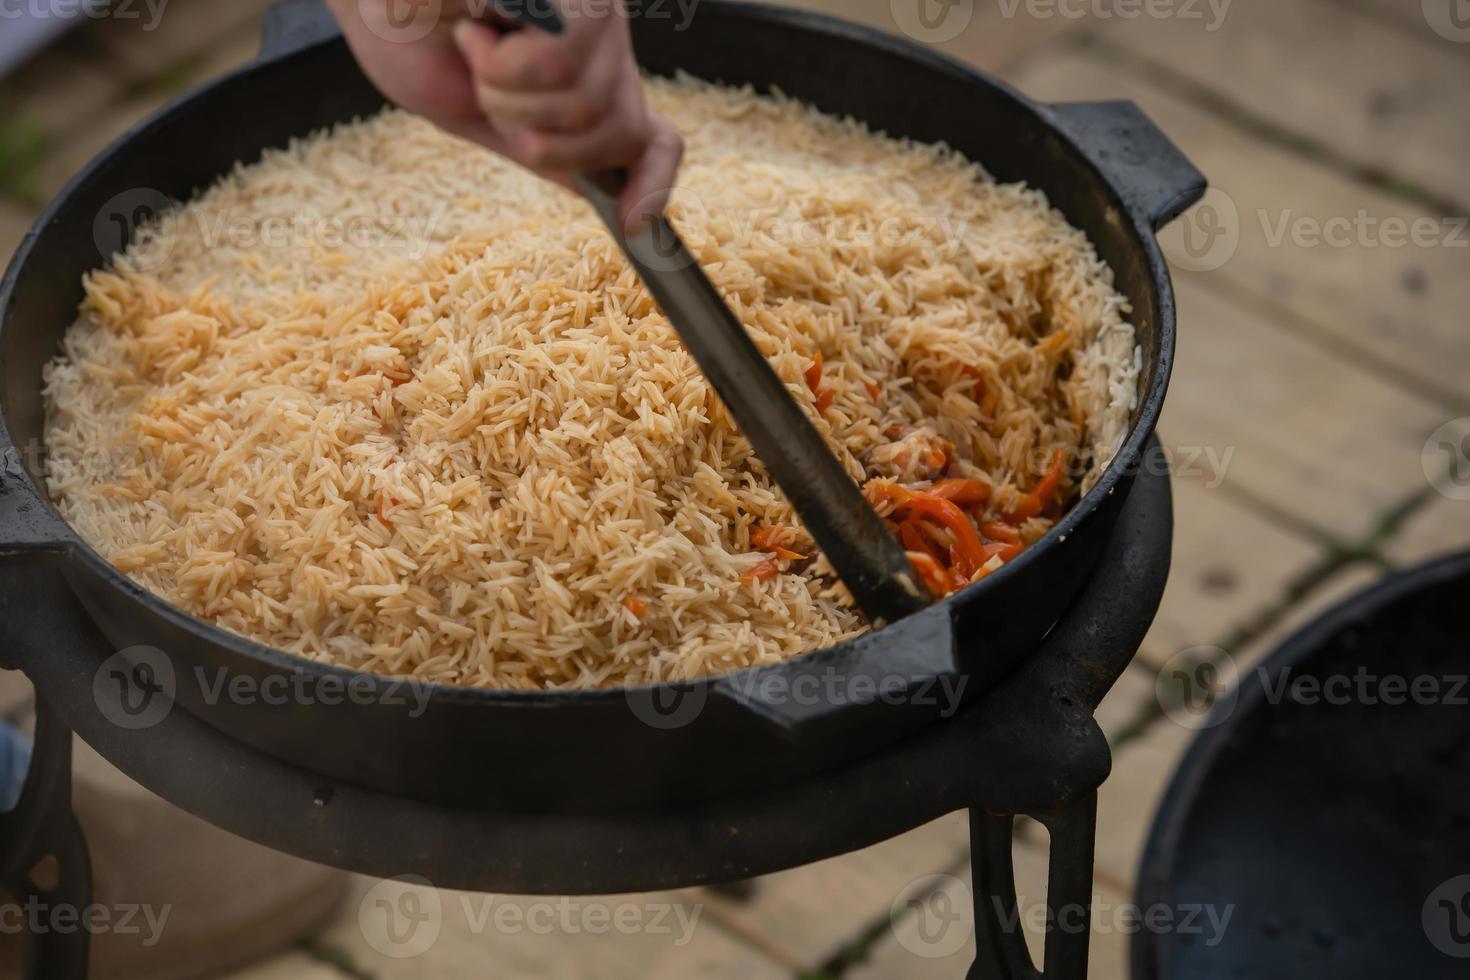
(1440, 528)
(921, 944)
(399, 929)
(1398, 309)
(808, 914)
(291, 966)
(1386, 111)
(1231, 563)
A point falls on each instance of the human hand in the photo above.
(557, 104)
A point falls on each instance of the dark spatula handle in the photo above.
(870, 561)
(540, 14)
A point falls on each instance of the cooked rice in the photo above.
(384, 400)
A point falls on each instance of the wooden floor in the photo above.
(1320, 350)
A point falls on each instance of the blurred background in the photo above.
(1319, 397)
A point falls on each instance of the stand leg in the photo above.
(44, 863)
(1001, 952)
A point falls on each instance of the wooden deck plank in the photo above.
(924, 950)
(810, 913)
(1130, 695)
(58, 89)
(986, 33)
(1143, 767)
(290, 966)
(115, 119)
(15, 221)
(1399, 307)
(147, 46)
(1275, 402)
(1321, 69)
(1436, 20)
(1230, 565)
(1441, 528)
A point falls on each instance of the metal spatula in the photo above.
(870, 561)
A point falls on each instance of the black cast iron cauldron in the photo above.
(1323, 815)
(1103, 164)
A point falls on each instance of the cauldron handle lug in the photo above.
(33, 541)
(291, 25)
(29, 526)
(1151, 174)
(910, 664)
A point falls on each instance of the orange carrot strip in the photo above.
(931, 574)
(967, 539)
(914, 539)
(814, 373)
(764, 538)
(963, 493)
(1001, 531)
(1005, 550)
(767, 569)
(1049, 484)
(1036, 501)
(638, 607)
